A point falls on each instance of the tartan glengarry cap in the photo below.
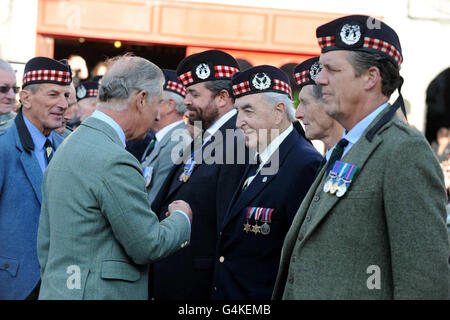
(46, 70)
(306, 72)
(360, 33)
(87, 89)
(172, 83)
(260, 79)
(206, 66)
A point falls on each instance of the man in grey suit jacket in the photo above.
(372, 226)
(171, 136)
(97, 232)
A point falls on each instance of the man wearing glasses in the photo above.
(8, 91)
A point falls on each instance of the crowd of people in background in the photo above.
(200, 183)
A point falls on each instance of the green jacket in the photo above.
(386, 238)
(97, 232)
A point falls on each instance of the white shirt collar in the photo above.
(357, 131)
(274, 145)
(161, 133)
(105, 118)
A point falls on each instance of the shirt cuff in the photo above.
(187, 218)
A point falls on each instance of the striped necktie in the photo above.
(48, 150)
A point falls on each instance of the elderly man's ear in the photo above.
(141, 98)
(279, 112)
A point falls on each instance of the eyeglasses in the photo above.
(5, 89)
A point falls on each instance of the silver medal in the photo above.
(341, 190)
(327, 186)
(265, 229)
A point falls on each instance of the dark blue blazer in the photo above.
(20, 206)
(187, 274)
(246, 263)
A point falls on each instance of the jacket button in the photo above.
(316, 198)
(293, 259)
(308, 218)
(300, 237)
(6, 266)
(221, 259)
(291, 280)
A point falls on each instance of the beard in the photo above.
(207, 116)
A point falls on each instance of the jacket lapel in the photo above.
(358, 155)
(25, 145)
(242, 198)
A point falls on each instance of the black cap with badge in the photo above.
(360, 33)
(306, 72)
(171, 83)
(367, 34)
(206, 66)
(259, 79)
(87, 89)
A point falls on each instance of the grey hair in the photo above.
(273, 98)
(316, 92)
(218, 85)
(5, 66)
(32, 87)
(127, 75)
(180, 107)
(390, 75)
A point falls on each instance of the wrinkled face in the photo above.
(256, 120)
(87, 107)
(341, 89)
(46, 108)
(71, 111)
(201, 105)
(149, 117)
(7, 99)
(312, 114)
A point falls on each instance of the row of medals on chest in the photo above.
(263, 214)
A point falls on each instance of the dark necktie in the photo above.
(337, 153)
(48, 150)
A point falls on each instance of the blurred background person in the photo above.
(160, 156)
(8, 91)
(87, 92)
(441, 146)
(70, 113)
(79, 69)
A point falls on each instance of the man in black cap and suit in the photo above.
(270, 192)
(206, 178)
(25, 151)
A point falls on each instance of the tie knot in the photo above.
(343, 143)
(47, 143)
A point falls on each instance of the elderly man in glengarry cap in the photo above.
(97, 233)
(26, 148)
